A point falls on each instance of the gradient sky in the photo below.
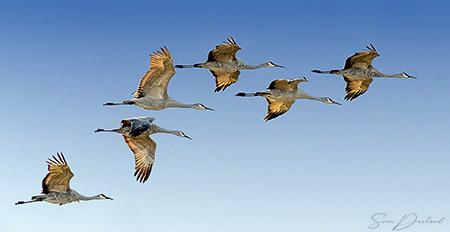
(317, 168)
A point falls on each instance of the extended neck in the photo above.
(85, 198)
(322, 99)
(172, 103)
(398, 75)
(158, 129)
(249, 66)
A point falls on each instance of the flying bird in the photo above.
(224, 65)
(358, 73)
(135, 132)
(281, 94)
(152, 90)
(55, 185)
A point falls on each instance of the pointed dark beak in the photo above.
(337, 103)
(409, 76)
(207, 108)
(279, 66)
(99, 130)
(187, 137)
(109, 198)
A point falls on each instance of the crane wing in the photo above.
(58, 176)
(155, 81)
(143, 148)
(286, 84)
(355, 88)
(137, 125)
(225, 52)
(277, 107)
(361, 60)
(224, 79)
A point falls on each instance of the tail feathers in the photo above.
(257, 94)
(128, 102)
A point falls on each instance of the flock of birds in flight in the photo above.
(222, 62)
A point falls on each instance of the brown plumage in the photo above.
(157, 78)
(136, 132)
(224, 65)
(355, 88)
(224, 52)
(277, 108)
(143, 148)
(358, 73)
(58, 177)
(361, 59)
(286, 84)
(223, 79)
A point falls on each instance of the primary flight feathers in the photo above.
(224, 65)
(358, 73)
(136, 132)
(56, 185)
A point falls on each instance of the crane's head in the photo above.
(200, 106)
(102, 196)
(270, 64)
(182, 134)
(408, 76)
(330, 101)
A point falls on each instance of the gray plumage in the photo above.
(224, 65)
(56, 185)
(358, 73)
(152, 90)
(281, 94)
(135, 132)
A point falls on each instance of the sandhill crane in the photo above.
(358, 73)
(152, 90)
(224, 65)
(55, 185)
(135, 132)
(281, 94)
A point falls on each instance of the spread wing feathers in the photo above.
(286, 84)
(157, 78)
(355, 88)
(277, 107)
(58, 177)
(362, 59)
(224, 79)
(143, 148)
(225, 52)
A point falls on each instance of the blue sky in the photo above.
(318, 168)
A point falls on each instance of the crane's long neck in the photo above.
(309, 97)
(249, 66)
(158, 129)
(173, 103)
(398, 75)
(84, 198)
